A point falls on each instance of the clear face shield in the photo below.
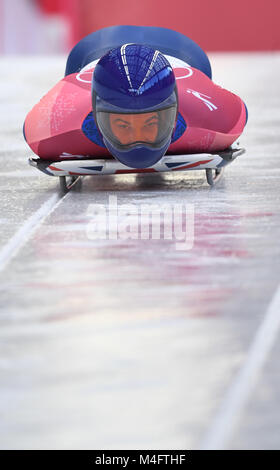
(125, 131)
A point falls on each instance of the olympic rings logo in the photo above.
(87, 70)
(186, 75)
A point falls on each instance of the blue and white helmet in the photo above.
(135, 104)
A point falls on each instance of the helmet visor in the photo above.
(127, 130)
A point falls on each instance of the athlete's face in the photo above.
(130, 128)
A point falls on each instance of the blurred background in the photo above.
(54, 26)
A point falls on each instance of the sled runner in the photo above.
(70, 171)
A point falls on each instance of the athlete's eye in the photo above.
(152, 122)
(122, 126)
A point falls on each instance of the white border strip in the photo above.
(24, 233)
(229, 414)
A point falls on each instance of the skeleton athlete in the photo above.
(135, 94)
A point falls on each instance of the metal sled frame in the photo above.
(70, 171)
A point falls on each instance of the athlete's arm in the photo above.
(214, 117)
(54, 126)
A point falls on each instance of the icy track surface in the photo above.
(132, 343)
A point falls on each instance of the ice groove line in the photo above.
(229, 413)
(28, 228)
